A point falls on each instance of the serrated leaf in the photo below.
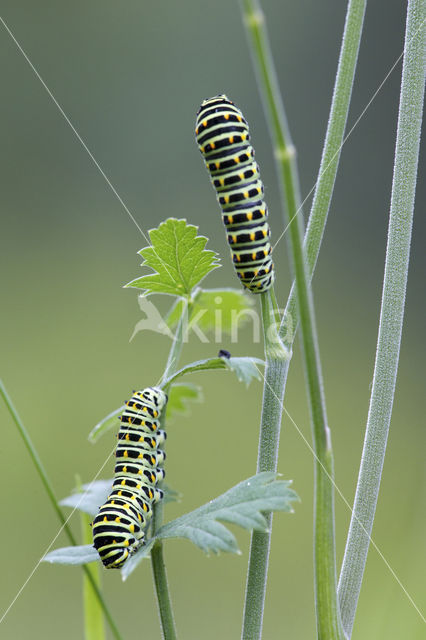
(111, 421)
(82, 554)
(177, 257)
(180, 396)
(246, 369)
(89, 500)
(243, 505)
(95, 494)
(222, 310)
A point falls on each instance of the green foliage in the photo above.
(215, 308)
(244, 505)
(111, 421)
(94, 494)
(177, 257)
(245, 368)
(180, 396)
(79, 554)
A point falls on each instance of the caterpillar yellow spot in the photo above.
(217, 165)
(231, 140)
(132, 528)
(117, 519)
(252, 237)
(226, 116)
(249, 215)
(253, 255)
(230, 219)
(246, 194)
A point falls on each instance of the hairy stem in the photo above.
(157, 556)
(334, 140)
(51, 495)
(392, 311)
(274, 382)
(328, 619)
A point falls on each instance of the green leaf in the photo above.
(223, 310)
(177, 257)
(180, 396)
(246, 369)
(95, 493)
(82, 554)
(89, 500)
(243, 505)
(111, 421)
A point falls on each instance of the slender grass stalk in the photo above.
(392, 310)
(51, 494)
(328, 618)
(93, 615)
(331, 153)
(159, 572)
(273, 391)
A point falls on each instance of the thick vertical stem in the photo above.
(331, 152)
(392, 311)
(328, 619)
(157, 556)
(276, 369)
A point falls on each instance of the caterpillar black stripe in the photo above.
(121, 523)
(224, 140)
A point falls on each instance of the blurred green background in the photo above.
(130, 76)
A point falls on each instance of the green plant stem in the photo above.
(273, 391)
(93, 614)
(334, 140)
(159, 572)
(328, 618)
(392, 311)
(49, 490)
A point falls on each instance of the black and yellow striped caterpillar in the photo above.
(120, 525)
(223, 138)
